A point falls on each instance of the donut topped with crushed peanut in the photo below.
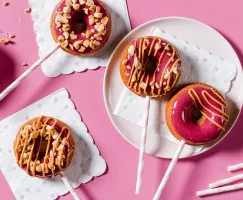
(44, 147)
(81, 26)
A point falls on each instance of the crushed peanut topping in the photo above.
(5, 3)
(4, 41)
(27, 10)
(24, 64)
(11, 35)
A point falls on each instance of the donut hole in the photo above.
(78, 23)
(43, 147)
(151, 65)
(195, 115)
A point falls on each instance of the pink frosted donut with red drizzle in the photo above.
(81, 26)
(197, 114)
(150, 66)
(44, 146)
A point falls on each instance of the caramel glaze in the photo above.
(167, 71)
(57, 153)
(211, 109)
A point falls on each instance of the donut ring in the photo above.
(197, 114)
(44, 147)
(150, 66)
(82, 27)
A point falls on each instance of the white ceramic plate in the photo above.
(193, 32)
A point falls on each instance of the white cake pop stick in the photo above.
(235, 167)
(142, 145)
(220, 190)
(169, 170)
(226, 181)
(69, 186)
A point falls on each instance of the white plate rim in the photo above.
(151, 22)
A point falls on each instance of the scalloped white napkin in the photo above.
(198, 66)
(63, 63)
(86, 163)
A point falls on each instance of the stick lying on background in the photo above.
(235, 167)
(226, 181)
(220, 190)
(27, 72)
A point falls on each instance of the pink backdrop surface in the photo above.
(118, 183)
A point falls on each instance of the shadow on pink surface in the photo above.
(6, 69)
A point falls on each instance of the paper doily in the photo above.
(63, 63)
(87, 162)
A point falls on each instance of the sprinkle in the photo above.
(158, 69)
(164, 43)
(127, 74)
(169, 54)
(128, 67)
(24, 64)
(27, 10)
(20, 20)
(5, 3)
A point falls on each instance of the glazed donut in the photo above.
(197, 114)
(44, 147)
(82, 27)
(150, 66)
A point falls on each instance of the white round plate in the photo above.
(193, 32)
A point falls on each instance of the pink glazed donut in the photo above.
(197, 114)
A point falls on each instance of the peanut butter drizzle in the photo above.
(224, 116)
(176, 79)
(141, 78)
(137, 75)
(142, 64)
(132, 70)
(205, 93)
(51, 163)
(153, 81)
(166, 88)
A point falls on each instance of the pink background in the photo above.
(85, 89)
